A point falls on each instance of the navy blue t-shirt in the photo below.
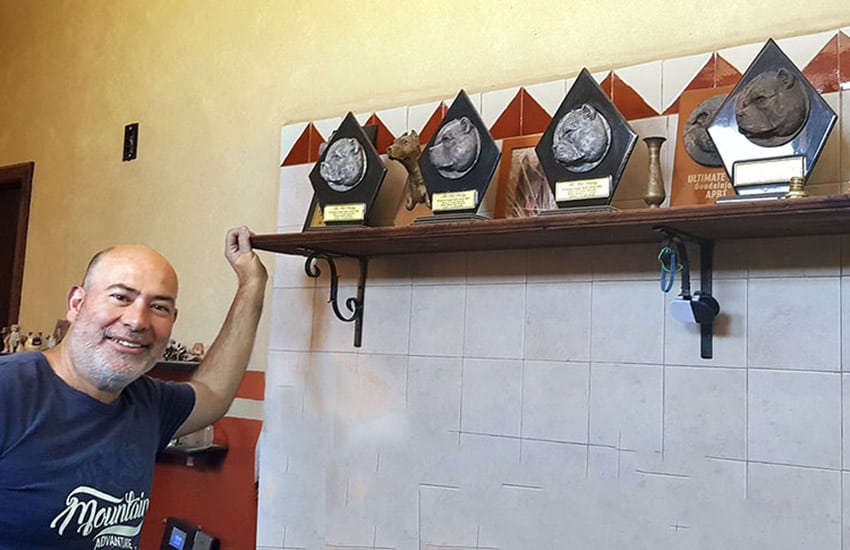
(76, 472)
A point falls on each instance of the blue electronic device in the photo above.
(182, 535)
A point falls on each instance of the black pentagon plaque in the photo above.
(587, 143)
(348, 175)
(461, 156)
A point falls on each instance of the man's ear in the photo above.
(175, 315)
(75, 299)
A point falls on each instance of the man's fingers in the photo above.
(238, 242)
(245, 239)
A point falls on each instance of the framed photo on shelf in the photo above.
(523, 189)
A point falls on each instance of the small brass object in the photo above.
(655, 194)
(797, 188)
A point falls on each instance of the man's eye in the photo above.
(161, 308)
(119, 297)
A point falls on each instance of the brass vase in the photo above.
(655, 194)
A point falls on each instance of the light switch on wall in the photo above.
(131, 141)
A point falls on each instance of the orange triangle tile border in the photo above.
(534, 119)
(299, 153)
(630, 104)
(703, 79)
(822, 70)
(433, 123)
(509, 123)
(522, 116)
(828, 71)
(385, 137)
(843, 61)
(725, 74)
(306, 147)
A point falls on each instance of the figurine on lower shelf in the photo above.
(174, 351)
(13, 339)
(196, 353)
(33, 342)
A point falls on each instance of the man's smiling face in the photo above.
(122, 316)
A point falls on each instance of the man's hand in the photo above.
(240, 254)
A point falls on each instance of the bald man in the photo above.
(80, 425)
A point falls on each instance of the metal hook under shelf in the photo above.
(354, 304)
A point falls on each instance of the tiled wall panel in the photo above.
(547, 398)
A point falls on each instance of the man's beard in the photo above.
(107, 369)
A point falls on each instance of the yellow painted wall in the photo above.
(211, 82)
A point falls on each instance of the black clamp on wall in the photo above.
(699, 307)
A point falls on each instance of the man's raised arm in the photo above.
(220, 372)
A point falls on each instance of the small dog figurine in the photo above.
(405, 149)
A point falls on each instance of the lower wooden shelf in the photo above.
(183, 366)
(210, 456)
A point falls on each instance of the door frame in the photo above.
(18, 176)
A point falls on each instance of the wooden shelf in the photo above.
(736, 220)
(731, 220)
(182, 366)
(209, 456)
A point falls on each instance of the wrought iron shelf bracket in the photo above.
(353, 304)
(703, 304)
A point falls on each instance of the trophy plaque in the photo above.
(585, 148)
(347, 176)
(698, 174)
(772, 127)
(458, 163)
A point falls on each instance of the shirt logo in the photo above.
(103, 517)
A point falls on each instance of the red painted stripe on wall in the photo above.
(253, 385)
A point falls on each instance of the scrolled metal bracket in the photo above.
(353, 304)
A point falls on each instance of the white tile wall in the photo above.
(485, 304)
(388, 329)
(555, 401)
(487, 401)
(795, 418)
(547, 398)
(557, 322)
(437, 320)
(557, 265)
(627, 322)
(793, 507)
(692, 398)
(794, 323)
(626, 406)
(492, 397)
